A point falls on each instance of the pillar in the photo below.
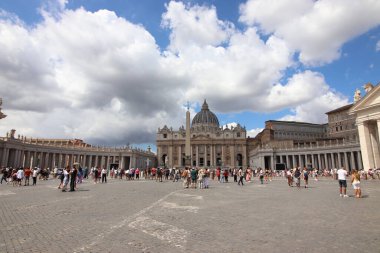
(360, 161)
(233, 156)
(197, 155)
(365, 145)
(353, 166)
(346, 165)
(375, 144)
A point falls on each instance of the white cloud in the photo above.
(83, 73)
(317, 29)
(314, 110)
(378, 46)
(253, 132)
(194, 25)
(99, 77)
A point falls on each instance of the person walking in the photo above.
(261, 175)
(306, 177)
(194, 175)
(104, 175)
(342, 173)
(4, 171)
(241, 176)
(297, 176)
(27, 173)
(73, 176)
(66, 176)
(34, 175)
(355, 180)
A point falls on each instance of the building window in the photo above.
(165, 136)
(238, 134)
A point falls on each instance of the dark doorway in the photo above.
(239, 159)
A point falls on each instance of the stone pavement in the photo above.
(146, 216)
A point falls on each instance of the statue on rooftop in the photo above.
(357, 95)
(368, 87)
(2, 115)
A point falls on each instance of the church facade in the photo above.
(211, 145)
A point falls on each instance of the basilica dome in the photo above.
(205, 117)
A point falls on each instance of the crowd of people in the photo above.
(192, 177)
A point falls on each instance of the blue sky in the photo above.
(112, 72)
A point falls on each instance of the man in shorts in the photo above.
(342, 173)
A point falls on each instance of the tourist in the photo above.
(218, 172)
(289, 177)
(73, 176)
(342, 173)
(96, 175)
(61, 178)
(206, 178)
(137, 173)
(4, 176)
(355, 180)
(241, 176)
(248, 175)
(104, 175)
(14, 177)
(194, 175)
(27, 174)
(235, 174)
(20, 176)
(225, 174)
(297, 177)
(66, 176)
(186, 178)
(306, 177)
(316, 175)
(201, 174)
(261, 176)
(80, 175)
(34, 175)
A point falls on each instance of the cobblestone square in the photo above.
(147, 216)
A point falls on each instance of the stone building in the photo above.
(367, 114)
(211, 145)
(342, 124)
(328, 146)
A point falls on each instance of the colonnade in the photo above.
(370, 142)
(348, 157)
(15, 153)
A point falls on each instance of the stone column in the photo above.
(232, 152)
(339, 161)
(375, 144)
(211, 155)
(223, 160)
(205, 157)
(360, 162)
(197, 155)
(319, 162)
(365, 145)
(4, 161)
(294, 161)
(46, 160)
(346, 165)
(27, 159)
(170, 154)
(60, 156)
(245, 155)
(179, 156)
(353, 166)
(96, 161)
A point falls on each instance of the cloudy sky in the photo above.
(112, 72)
